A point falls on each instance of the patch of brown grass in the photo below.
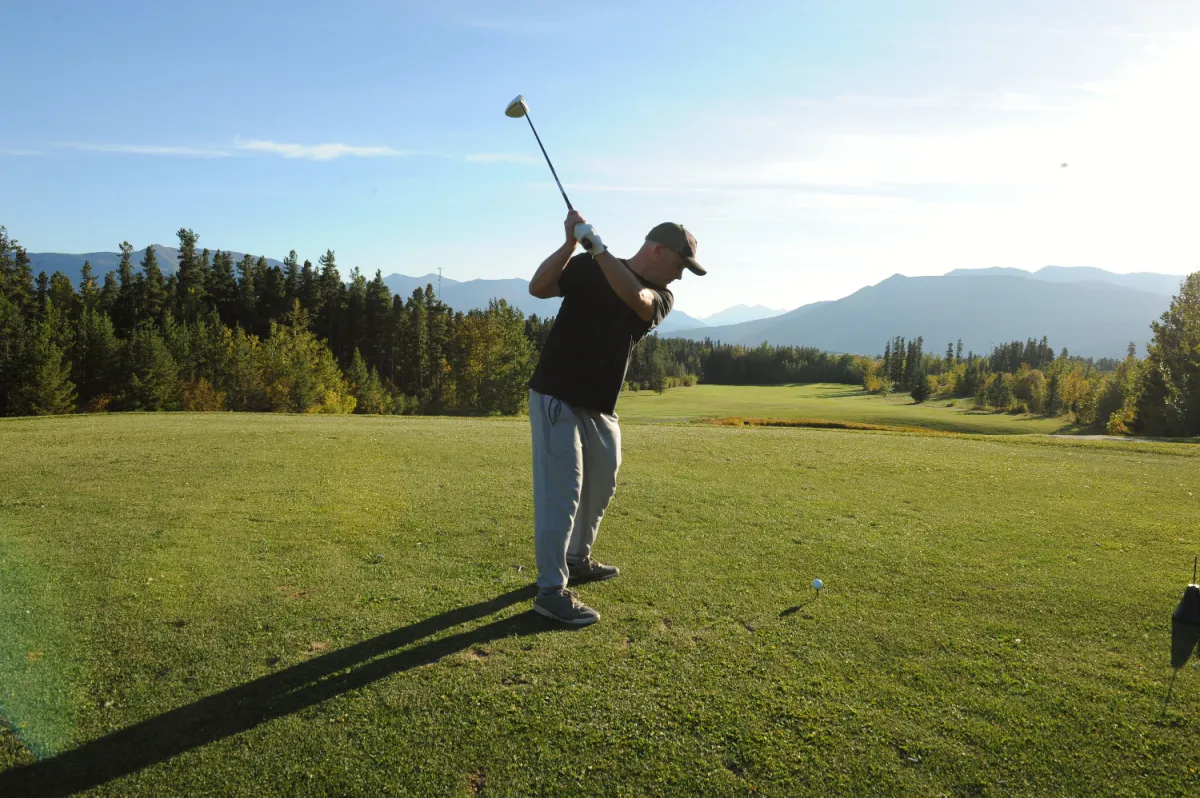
(816, 423)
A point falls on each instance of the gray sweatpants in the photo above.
(576, 454)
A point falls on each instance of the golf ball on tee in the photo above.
(818, 584)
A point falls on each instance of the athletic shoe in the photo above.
(563, 606)
(590, 571)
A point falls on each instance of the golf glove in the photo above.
(588, 237)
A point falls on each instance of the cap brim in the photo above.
(696, 268)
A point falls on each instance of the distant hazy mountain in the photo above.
(678, 320)
(1142, 281)
(740, 313)
(1094, 319)
(475, 293)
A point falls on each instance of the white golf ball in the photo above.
(818, 584)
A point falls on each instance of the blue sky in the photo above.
(811, 147)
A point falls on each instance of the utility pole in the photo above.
(439, 283)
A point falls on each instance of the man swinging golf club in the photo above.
(609, 304)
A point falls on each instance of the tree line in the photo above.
(220, 335)
(1158, 395)
(248, 335)
(659, 363)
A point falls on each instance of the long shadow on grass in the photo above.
(241, 708)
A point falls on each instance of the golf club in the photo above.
(517, 109)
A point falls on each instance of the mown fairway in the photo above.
(827, 402)
(248, 604)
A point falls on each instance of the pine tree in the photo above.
(14, 344)
(1053, 396)
(330, 299)
(366, 387)
(1000, 391)
(921, 391)
(958, 352)
(191, 282)
(125, 310)
(224, 288)
(377, 338)
(291, 278)
(436, 337)
(658, 374)
(272, 295)
(299, 371)
(151, 372)
(355, 313)
(62, 294)
(97, 358)
(397, 325)
(88, 293)
(41, 293)
(898, 362)
(374, 396)
(413, 351)
(156, 297)
(247, 301)
(108, 294)
(356, 372)
(46, 387)
(308, 289)
(16, 272)
(912, 361)
(243, 378)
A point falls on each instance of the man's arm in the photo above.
(544, 284)
(627, 286)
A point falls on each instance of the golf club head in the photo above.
(517, 108)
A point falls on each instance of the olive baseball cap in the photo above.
(675, 238)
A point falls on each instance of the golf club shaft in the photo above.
(556, 180)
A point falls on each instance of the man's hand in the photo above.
(590, 239)
(573, 218)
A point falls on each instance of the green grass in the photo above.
(235, 604)
(828, 402)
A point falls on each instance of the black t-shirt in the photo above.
(587, 351)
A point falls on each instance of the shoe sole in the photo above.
(576, 622)
(580, 580)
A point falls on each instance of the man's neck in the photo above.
(638, 266)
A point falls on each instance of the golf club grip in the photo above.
(548, 163)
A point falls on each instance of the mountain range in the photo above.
(1092, 312)
(1092, 316)
(1142, 281)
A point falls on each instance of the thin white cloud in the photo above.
(147, 149)
(319, 152)
(500, 157)
(18, 151)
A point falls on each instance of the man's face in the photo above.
(673, 264)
